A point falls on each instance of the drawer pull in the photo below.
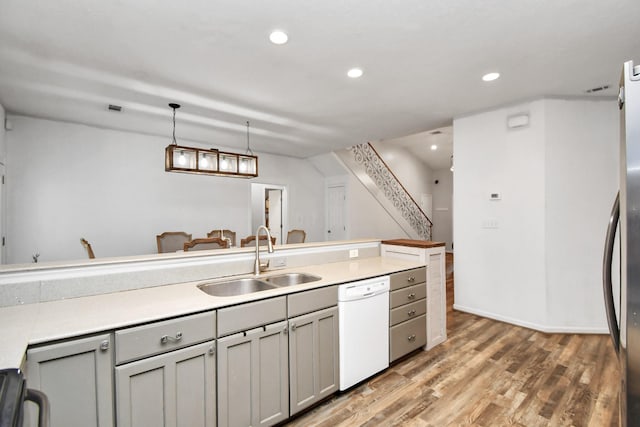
(411, 279)
(411, 313)
(411, 338)
(104, 345)
(293, 327)
(411, 296)
(166, 338)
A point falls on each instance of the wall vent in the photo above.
(597, 89)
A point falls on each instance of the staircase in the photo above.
(367, 165)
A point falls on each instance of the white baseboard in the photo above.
(542, 328)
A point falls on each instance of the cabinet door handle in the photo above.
(411, 296)
(104, 345)
(293, 327)
(411, 313)
(166, 338)
(411, 338)
(285, 330)
(411, 279)
(212, 350)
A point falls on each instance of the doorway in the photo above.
(269, 207)
(336, 212)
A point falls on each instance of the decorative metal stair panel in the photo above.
(365, 163)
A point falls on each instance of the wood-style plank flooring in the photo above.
(488, 373)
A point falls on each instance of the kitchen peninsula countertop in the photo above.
(424, 244)
(30, 324)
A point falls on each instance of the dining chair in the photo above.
(87, 246)
(205, 243)
(296, 236)
(250, 241)
(172, 241)
(226, 234)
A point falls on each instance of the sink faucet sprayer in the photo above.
(258, 267)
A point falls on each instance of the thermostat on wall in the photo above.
(495, 196)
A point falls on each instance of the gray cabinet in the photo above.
(313, 357)
(175, 389)
(253, 383)
(408, 305)
(253, 362)
(77, 377)
(166, 373)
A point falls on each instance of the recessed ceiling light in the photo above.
(434, 147)
(354, 73)
(490, 77)
(278, 37)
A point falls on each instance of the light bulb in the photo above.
(182, 159)
(223, 163)
(243, 166)
(204, 162)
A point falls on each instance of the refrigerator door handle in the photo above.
(607, 285)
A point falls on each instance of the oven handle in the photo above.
(40, 399)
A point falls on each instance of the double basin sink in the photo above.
(235, 287)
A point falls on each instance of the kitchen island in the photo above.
(102, 315)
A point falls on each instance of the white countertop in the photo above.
(38, 323)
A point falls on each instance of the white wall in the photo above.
(443, 207)
(517, 259)
(582, 155)
(366, 217)
(69, 181)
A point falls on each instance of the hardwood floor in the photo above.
(487, 373)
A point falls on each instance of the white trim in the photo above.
(542, 328)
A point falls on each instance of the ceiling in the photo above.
(422, 61)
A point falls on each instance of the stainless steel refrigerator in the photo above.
(625, 217)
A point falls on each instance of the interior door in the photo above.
(336, 213)
(273, 210)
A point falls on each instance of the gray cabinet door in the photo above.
(253, 377)
(313, 352)
(76, 376)
(175, 389)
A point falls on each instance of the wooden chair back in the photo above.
(172, 241)
(250, 241)
(226, 234)
(87, 246)
(296, 236)
(205, 243)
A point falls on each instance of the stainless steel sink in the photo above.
(235, 287)
(290, 279)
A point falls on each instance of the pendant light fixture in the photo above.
(179, 158)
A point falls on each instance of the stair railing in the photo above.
(394, 191)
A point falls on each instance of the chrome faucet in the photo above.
(259, 267)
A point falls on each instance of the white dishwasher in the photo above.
(363, 309)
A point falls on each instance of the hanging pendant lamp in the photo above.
(179, 158)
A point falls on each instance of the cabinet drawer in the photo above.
(407, 295)
(314, 300)
(407, 312)
(406, 337)
(155, 338)
(251, 315)
(408, 278)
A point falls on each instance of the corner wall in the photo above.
(531, 258)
